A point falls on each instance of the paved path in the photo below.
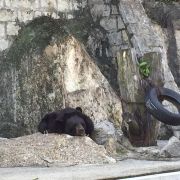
(164, 176)
(122, 169)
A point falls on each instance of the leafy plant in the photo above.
(144, 68)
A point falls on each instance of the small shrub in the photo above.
(144, 68)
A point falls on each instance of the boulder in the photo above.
(172, 148)
(53, 72)
(51, 150)
(103, 131)
(165, 132)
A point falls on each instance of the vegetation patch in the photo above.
(37, 34)
(144, 68)
(33, 37)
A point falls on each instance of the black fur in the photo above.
(69, 121)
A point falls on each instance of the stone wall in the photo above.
(117, 26)
(118, 20)
(14, 13)
(109, 18)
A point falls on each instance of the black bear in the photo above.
(69, 121)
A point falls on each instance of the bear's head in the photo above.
(75, 126)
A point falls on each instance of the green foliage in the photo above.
(144, 68)
(35, 36)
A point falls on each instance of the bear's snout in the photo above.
(80, 131)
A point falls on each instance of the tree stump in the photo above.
(138, 125)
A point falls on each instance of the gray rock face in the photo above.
(42, 74)
(165, 132)
(103, 131)
(168, 15)
(51, 150)
(85, 86)
(61, 73)
(172, 149)
(132, 88)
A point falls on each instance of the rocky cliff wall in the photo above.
(107, 28)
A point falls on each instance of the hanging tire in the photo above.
(153, 102)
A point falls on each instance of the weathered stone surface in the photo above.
(21, 4)
(50, 4)
(89, 89)
(64, 5)
(126, 150)
(64, 150)
(104, 131)
(12, 29)
(165, 132)
(167, 15)
(1, 4)
(134, 30)
(139, 26)
(51, 150)
(177, 36)
(128, 76)
(61, 74)
(99, 11)
(115, 38)
(129, 72)
(176, 131)
(37, 14)
(7, 15)
(109, 24)
(25, 16)
(172, 149)
(165, 150)
(120, 23)
(4, 44)
(2, 29)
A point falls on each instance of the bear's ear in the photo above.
(79, 109)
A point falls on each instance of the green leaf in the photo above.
(142, 64)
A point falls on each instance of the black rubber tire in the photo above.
(154, 106)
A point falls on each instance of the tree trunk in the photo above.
(138, 125)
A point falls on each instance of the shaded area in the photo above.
(166, 16)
